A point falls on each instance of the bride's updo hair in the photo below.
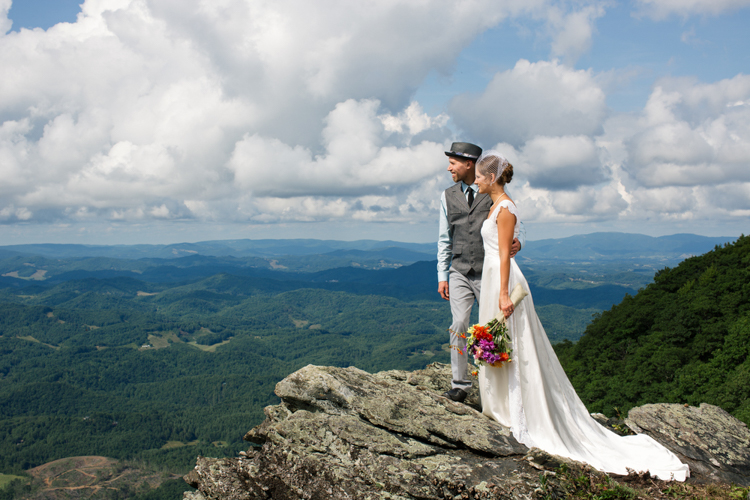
(492, 162)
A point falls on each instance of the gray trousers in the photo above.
(463, 291)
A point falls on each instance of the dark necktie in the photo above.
(471, 197)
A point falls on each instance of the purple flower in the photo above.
(492, 358)
(487, 345)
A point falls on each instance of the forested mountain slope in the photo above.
(108, 372)
(684, 338)
(164, 359)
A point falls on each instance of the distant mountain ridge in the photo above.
(219, 248)
(605, 245)
(611, 246)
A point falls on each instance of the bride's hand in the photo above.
(506, 305)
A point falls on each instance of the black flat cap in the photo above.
(464, 150)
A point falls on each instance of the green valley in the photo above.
(125, 353)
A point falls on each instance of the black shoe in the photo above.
(456, 394)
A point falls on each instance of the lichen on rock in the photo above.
(343, 433)
(712, 442)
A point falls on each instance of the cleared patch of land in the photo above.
(425, 353)
(208, 348)
(5, 479)
(178, 444)
(300, 323)
(162, 340)
(32, 339)
(38, 275)
(89, 477)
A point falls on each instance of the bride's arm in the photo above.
(506, 222)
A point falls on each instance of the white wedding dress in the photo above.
(533, 396)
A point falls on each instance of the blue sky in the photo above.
(149, 121)
(43, 14)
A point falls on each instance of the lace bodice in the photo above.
(489, 227)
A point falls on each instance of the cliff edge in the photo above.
(343, 433)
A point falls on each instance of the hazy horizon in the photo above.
(4, 244)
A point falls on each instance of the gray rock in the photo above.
(342, 433)
(713, 443)
(615, 425)
(345, 433)
(193, 495)
(388, 403)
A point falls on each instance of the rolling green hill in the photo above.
(110, 372)
(685, 338)
(102, 283)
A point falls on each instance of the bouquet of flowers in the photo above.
(490, 344)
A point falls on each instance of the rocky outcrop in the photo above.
(342, 433)
(713, 443)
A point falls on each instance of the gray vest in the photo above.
(465, 227)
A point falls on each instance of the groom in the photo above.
(461, 254)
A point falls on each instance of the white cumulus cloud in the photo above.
(693, 134)
(572, 31)
(169, 109)
(532, 99)
(294, 111)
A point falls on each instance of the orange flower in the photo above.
(504, 356)
(479, 330)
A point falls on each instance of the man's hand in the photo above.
(443, 290)
(515, 247)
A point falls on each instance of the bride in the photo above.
(532, 395)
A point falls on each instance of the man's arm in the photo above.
(522, 236)
(519, 242)
(445, 249)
